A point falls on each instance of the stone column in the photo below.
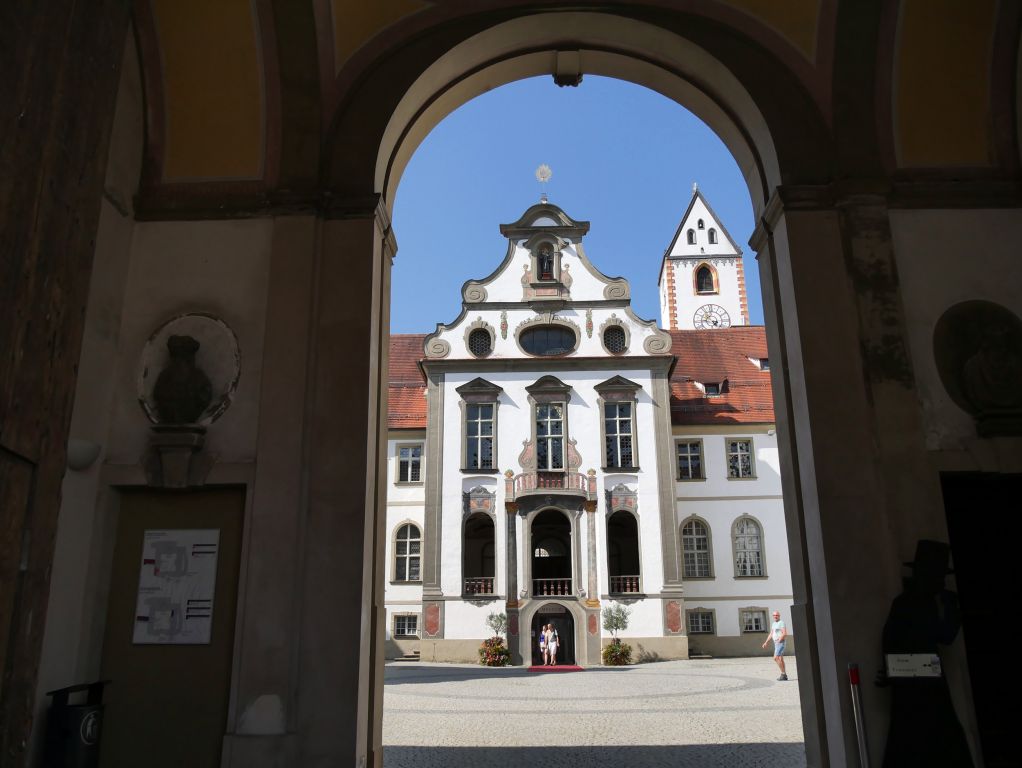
(514, 630)
(59, 89)
(857, 485)
(593, 587)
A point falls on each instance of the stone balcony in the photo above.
(560, 483)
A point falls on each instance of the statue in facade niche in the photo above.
(183, 390)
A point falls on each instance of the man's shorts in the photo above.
(779, 648)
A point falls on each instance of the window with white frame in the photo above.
(690, 460)
(739, 459)
(700, 622)
(406, 625)
(407, 553)
(748, 540)
(695, 539)
(618, 424)
(550, 436)
(753, 620)
(479, 436)
(409, 463)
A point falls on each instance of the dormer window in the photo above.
(691, 237)
(713, 236)
(764, 364)
(712, 389)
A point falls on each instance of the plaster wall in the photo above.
(945, 257)
(727, 296)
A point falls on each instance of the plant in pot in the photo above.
(493, 652)
(615, 619)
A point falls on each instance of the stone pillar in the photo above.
(855, 476)
(514, 629)
(593, 586)
(61, 63)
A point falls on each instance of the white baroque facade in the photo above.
(551, 452)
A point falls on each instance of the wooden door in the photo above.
(167, 703)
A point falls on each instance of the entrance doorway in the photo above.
(551, 554)
(564, 624)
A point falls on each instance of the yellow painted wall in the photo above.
(212, 85)
(356, 22)
(795, 20)
(942, 82)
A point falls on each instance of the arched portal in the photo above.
(551, 554)
(560, 619)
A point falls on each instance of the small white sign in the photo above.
(913, 665)
(176, 586)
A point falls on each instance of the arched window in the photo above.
(713, 236)
(623, 553)
(407, 553)
(704, 280)
(748, 543)
(695, 541)
(691, 237)
(701, 225)
(478, 559)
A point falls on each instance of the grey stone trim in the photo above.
(546, 364)
(473, 292)
(480, 325)
(584, 655)
(524, 227)
(618, 389)
(511, 551)
(437, 348)
(617, 289)
(766, 619)
(431, 549)
(669, 531)
(658, 344)
(572, 509)
(593, 585)
(713, 620)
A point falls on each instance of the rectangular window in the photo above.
(406, 625)
(409, 464)
(690, 460)
(550, 436)
(479, 436)
(753, 621)
(764, 364)
(617, 425)
(700, 622)
(712, 389)
(739, 458)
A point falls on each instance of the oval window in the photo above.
(547, 340)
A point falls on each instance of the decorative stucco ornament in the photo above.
(589, 323)
(543, 175)
(503, 325)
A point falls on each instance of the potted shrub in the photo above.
(493, 652)
(615, 619)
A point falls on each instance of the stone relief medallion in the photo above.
(189, 370)
(977, 346)
(437, 348)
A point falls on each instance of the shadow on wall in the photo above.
(791, 755)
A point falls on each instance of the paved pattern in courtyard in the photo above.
(707, 713)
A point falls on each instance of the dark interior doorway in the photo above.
(976, 502)
(564, 623)
(551, 554)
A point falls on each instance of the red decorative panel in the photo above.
(673, 616)
(432, 620)
(594, 625)
(512, 625)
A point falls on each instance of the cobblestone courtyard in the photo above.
(707, 713)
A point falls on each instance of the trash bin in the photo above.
(72, 730)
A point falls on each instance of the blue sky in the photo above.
(623, 158)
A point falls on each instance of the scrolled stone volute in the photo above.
(182, 391)
(437, 348)
(657, 344)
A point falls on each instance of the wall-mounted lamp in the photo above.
(81, 454)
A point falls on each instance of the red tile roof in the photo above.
(407, 387)
(703, 356)
(712, 356)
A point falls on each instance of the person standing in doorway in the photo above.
(778, 632)
(552, 642)
(542, 644)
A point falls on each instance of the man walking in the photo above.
(778, 632)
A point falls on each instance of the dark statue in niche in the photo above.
(545, 263)
(183, 390)
(977, 346)
(924, 727)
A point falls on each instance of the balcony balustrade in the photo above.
(623, 585)
(478, 585)
(551, 588)
(571, 483)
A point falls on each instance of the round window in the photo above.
(614, 339)
(547, 340)
(479, 342)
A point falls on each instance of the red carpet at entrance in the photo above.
(558, 668)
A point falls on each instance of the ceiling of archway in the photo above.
(243, 95)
